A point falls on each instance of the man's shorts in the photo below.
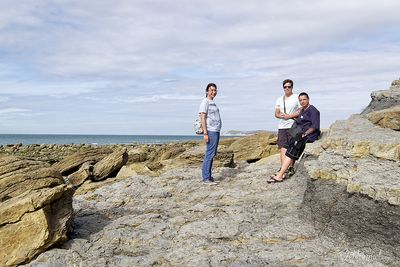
(295, 149)
(283, 138)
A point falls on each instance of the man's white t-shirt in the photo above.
(291, 105)
(213, 120)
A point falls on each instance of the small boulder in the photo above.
(138, 154)
(18, 175)
(383, 99)
(386, 118)
(195, 156)
(255, 147)
(127, 171)
(85, 172)
(110, 165)
(72, 163)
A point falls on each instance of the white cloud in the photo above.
(12, 110)
(145, 99)
(11, 113)
(48, 88)
(124, 54)
(4, 99)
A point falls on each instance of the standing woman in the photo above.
(211, 124)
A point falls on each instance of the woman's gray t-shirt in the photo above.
(213, 121)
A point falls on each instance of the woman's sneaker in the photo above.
(212, 180)
(209, 182)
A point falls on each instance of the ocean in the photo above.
(27, 139)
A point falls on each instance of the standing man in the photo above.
(286, 110)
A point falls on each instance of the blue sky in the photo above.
(141, 67)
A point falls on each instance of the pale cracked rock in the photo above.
(360, 155)
(358, 137)
(368, 176)
(386, 118)
(383, 99)
(175, 220)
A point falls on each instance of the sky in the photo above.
(141, 67)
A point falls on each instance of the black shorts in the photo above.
(295, 149)
(283, 138)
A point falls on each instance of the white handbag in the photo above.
(197, 125)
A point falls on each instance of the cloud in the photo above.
(12, 110)
(152, 38)
(144, 57)
(144, 99)
(158, 98)
(48, 88)
(4, 99)
(8, 113)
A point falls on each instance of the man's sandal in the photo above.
(291, 171)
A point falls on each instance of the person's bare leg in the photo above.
(285, 165)
(282, 154)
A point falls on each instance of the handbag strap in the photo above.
(284, 105)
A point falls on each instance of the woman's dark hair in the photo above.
(210, 85)
(304, 93)
(287, 81)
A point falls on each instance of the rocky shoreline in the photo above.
(144, 205)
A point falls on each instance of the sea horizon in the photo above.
(94, 139)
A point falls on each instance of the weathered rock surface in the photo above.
(109, 165)
(175, 220)
(52, 153)
(342, 207)
(255, 147)
(354, 190)
(154, 160)
(19, 175)
(386, 118)
(195, 157)
(72, 163)
(384, 99)
(84, 173)
(156, 153)
(35, 209)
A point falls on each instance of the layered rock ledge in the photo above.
(354, 185)
(35, 209)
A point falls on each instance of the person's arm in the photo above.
(204, 126)
(278, 113)
(297, 112)
(292, 116)
(278, 104)
(308, 132)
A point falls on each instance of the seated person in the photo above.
(308, 121)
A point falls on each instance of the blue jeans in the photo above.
(211, 151)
